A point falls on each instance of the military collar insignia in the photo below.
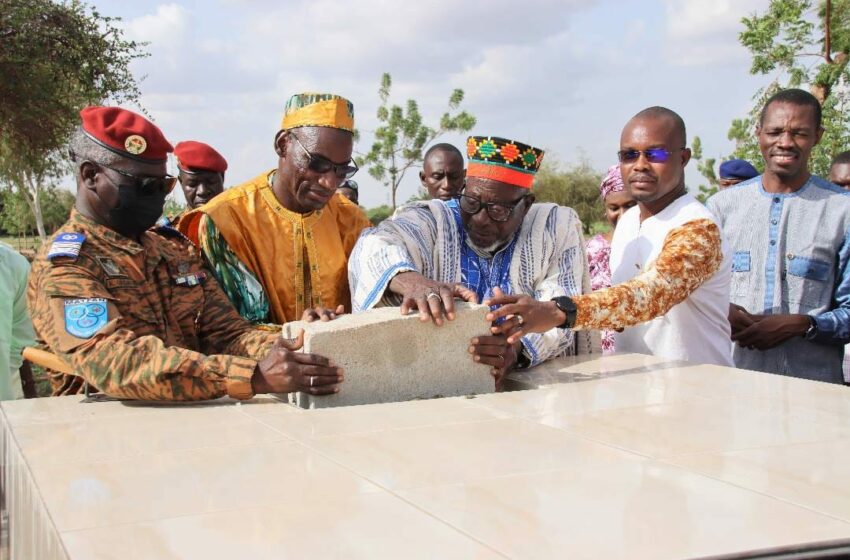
(190, 279)
(109, 267)
(66, 245)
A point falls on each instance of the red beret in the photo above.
(125, 133)
(197, 156)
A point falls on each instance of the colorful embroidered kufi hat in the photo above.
(318, 109)
(500, 159)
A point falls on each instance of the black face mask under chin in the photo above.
(135, 213)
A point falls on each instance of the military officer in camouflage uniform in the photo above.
(132, 310)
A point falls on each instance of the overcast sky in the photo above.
(563, 75)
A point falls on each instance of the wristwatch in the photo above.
(568, 307)
(812, 331)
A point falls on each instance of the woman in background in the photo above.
(616, 201)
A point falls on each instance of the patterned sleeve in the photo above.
(242, 288)
(120, 363)
(691, 255)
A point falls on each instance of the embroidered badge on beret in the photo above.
(135, 144)
(66, 245)
(84, 317)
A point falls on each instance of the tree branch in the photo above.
(827, 41)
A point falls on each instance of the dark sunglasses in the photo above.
(147, 186)
(322, 165)
(497, 211)
(653, 155)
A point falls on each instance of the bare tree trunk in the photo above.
(31, 189)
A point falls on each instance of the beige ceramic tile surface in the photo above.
(702, 426)
(305, 424)
(464, 452)
(813, 475)
(367, 526)
(189, 482)
(582, 398)
(635, 510)
(561, 471)
(74, 408)
(125, 436)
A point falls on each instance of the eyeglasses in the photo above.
(146, 184)
(653, 155)
(322, 165)
(497, 211)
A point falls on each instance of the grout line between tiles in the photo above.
(754, 491)
(402, 499)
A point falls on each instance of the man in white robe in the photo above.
(492, 236)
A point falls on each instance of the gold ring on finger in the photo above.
(520, 320)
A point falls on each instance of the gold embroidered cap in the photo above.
(318, 109)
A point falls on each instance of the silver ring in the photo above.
(312, 380)
(433, 294)
(502, 359)
(520, 320)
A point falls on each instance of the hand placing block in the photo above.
(389, 357)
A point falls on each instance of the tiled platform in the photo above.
(618, 457)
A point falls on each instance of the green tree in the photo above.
(379, 214)
(706, 169)
(576, 187)
(402, 136)
(55, 58)
(16, 218)
(806, 45)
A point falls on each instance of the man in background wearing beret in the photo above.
(279, 244)
(201, 172)
(131, 310)
(736, 171)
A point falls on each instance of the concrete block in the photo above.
(388, 357)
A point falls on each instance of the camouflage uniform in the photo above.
(169, 332)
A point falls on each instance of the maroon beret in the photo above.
(125, 133)
(197, 156)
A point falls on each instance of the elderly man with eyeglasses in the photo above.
(279, 244)
(670, 267)
(491, 237)
(131, 310)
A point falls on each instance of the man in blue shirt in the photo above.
(788, 230)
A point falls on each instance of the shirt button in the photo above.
(773, 242)
(774, 221)
(790, 256)
(776, 200)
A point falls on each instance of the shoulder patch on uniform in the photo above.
(66, 245)
(84, 317)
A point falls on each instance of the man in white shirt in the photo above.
(670, 267)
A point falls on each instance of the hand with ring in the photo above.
(496, 352)
(522, 314)
(285, 370)
(434, 300)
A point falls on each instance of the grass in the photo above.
(21, 243)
